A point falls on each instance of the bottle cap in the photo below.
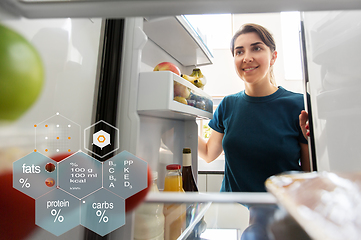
(173, 167)
(186, 150)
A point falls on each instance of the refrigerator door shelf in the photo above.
(178, 38)
(156, 97)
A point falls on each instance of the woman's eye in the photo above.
(257, 48)
(239, 52)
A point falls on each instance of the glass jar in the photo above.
(173, 180)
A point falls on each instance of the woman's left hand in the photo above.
(304, 123)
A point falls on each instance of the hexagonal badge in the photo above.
(104, 139)
(80, 174)
(102, 212)
(57, 212)
(101, 139)
(125, 174)
(34, 174)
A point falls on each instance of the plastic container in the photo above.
(149, 218)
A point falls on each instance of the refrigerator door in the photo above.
(69, 49)
(334, 74)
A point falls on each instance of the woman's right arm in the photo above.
(211, 149)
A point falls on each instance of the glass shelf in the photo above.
(199, 207)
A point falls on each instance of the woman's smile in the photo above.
(249, 69)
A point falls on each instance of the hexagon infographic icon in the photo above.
(125, 174)
(57, 134)
(101, 139)
(102, 212)
(57, 212)
(34, 174)
(80, 174)
(104, 139)
(79, 189)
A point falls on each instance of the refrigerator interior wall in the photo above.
(334, 86)
(157, 140)
(152, 137)
(162, 139)
(69, 49)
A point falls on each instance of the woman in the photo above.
(260, 129)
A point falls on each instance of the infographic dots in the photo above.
(57, 134)
(79, 189)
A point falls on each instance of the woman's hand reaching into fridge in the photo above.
(211, 149)
(304, 124)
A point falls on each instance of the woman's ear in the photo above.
(273, 59)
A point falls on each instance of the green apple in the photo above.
(21, 74)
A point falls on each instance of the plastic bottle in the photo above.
(189, 185)
(149, 218)
(175, 214)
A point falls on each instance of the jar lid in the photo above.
(173, 167)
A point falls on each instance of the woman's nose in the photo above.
(247, 58)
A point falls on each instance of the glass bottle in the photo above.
(189, 185)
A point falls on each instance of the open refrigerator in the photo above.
(99, 61)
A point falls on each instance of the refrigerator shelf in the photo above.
(156, 94)
(250, 198)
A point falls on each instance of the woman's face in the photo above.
(253, 58)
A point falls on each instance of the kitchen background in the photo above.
(221, 76)
(221, 81)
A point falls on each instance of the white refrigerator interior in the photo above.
(152, 125)
(334, 58)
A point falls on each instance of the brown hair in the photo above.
(265, 36)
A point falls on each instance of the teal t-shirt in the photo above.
(261, 138)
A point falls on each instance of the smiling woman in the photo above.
(254, 52)
(258, 128)
(254, 60)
